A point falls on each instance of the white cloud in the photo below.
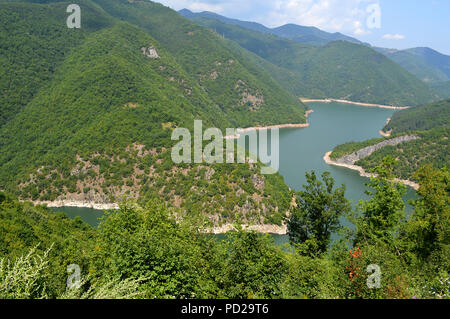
(346, 16)
(359, 29)
(393, 36)
(201, 6)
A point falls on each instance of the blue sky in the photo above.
(401, 24)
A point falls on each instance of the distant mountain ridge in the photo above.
(310, 35)
(427, 64)
(338, 69)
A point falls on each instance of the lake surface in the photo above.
(302, 150)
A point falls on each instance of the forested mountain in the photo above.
(302, 34)
(30, 51)
(421, 118)
(427, 64)
(338, 69)
(96, 125)
(431, 123)
(244, 91)
(87, 116)
(442, 88)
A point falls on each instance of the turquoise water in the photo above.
(302, 150)
(88, 215)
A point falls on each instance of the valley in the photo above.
(153, 152)
(302, 149)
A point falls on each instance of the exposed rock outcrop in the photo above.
(150, 52)
(349, 161)
(367, 151)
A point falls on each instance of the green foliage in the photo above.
(145, 253)
(428, 228)
(338, 69)
(111, 289)
(317, 215)
(421, 118)
(431, 148)
(225, 74)
(146, 243)
(91, 107)
(24, 227)
(310, 278)
(31, 51)
(431, 123)
(77, 133)
(396, 277)
(442, 89)
(253, 267)
(384, 212)
(24, 278)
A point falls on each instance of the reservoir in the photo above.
(302, 150)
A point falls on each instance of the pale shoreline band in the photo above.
(363, 173)
(355, 103)
(258, 128)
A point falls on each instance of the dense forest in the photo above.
(442, 88)
(96, 119)
(338, 69)
(428, 65)
(421, 118)
(143, 252)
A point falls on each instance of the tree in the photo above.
(382, 213)
(253, 267)
(319, 208)
(136, 242)
(429, 225)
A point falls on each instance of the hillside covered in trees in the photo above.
(143, 252)
(338, 69)
(92, 120)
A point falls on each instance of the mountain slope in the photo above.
(433, 58)
(247, 94)
(421, 118)
(311, 35)
(428, 65)
(30, 51)
(302, 34)
(442, 89)
(99, 131)
(339, 69)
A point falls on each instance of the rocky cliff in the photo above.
(367, 151)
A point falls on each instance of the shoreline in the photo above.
(258, 128)
(78, 204)
(385, 134)
(390, 107)
(262, 229)
(363, 173)
(388, 133)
